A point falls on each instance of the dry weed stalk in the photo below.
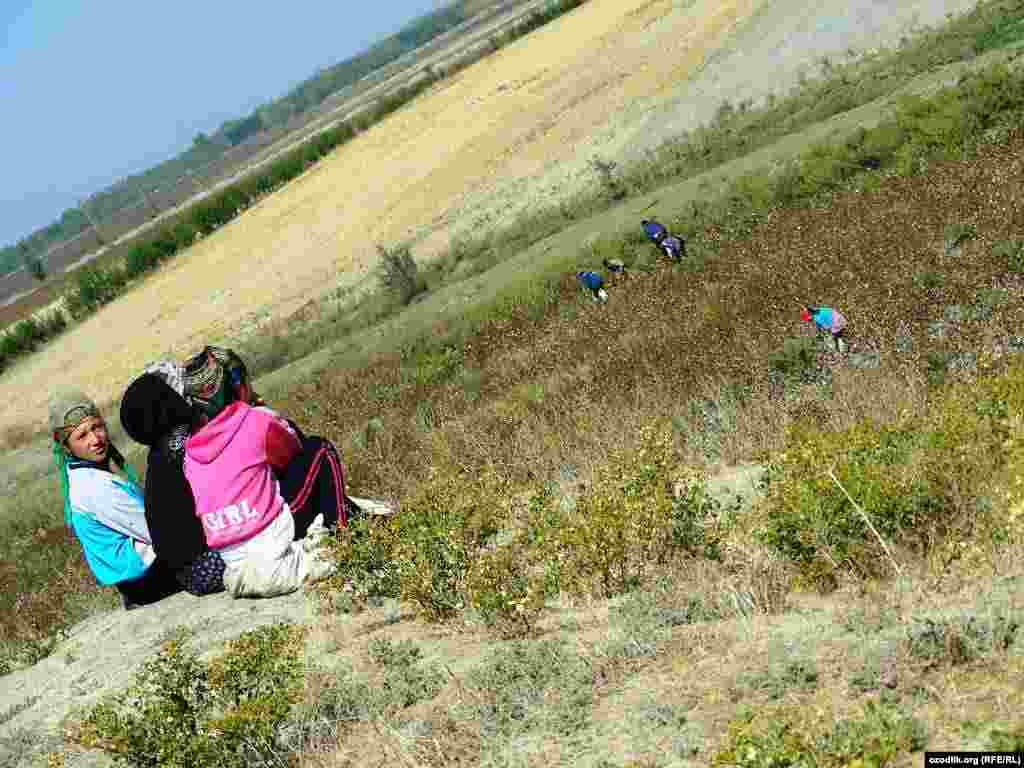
(867, 520)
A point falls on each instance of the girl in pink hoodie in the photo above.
(230, 464)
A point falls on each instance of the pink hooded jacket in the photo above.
(229, 464)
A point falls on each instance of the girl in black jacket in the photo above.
(154, 412)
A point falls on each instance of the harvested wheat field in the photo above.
(514, 132)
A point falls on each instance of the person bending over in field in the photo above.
(104, 508)
(830, 321)
(594, 283)
(671, 245)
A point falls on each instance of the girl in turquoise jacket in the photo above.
(104, 509)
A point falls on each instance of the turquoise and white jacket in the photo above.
(109, 519)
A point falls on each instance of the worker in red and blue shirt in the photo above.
(827, 320)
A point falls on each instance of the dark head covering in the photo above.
(153, 414)
(212, 378)
(151, 410)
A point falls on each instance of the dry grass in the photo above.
(320, 231)
(562, 394)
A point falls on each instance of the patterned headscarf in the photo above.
(210, 379)
(171, 372)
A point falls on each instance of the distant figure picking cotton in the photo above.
(671, 245)
(594, 283)
(655, 232)
(674, 247)
(827, 320)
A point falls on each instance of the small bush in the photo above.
(406, 680)
(928, 279)
(957, 641)
(399, 273)
(1009, 740)
(438, 538)
(780, 678)
(917, 482)
(937, 365)
(421, 556)
(988, 301)
(957, 234)
(181, 711)
(504, 591)
(796, 361)
(624, 525)
(26, 334)
(366, 571)
(877, 737)
(94, 287)
(1010, 253)
(530, 685)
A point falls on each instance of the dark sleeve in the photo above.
(176, 531)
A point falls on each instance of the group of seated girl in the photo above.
(236, 497)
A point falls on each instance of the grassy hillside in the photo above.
(671, 530)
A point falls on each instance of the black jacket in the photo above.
(153, 414)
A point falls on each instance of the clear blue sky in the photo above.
(92, 91)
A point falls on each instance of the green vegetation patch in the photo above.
(916, 483)
(874, 738)
(182, 711)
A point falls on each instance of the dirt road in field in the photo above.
(514, 132)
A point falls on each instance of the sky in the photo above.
(92, 91)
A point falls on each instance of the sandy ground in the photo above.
(514, 132)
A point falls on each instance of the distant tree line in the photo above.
(30, 252)
(94, 286)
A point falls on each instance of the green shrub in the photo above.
(624, 525)
(796, 361)
(94, 286)
(141, 259)
(1004, 29)
(53, 323)
(505, 592)
(433, 367)
(959, 233)
(917, 482)
(875, 738)
(437, 537)
(1011, 254)
(809, 519)
(694, 523)
(531, 685)
(366, 569)
(26, 334)
(182, 711)
(421, 556)
(399, 273)
(1010, 740)
(959, 640)
(928, 279)
(780, 678)
(407, 680)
